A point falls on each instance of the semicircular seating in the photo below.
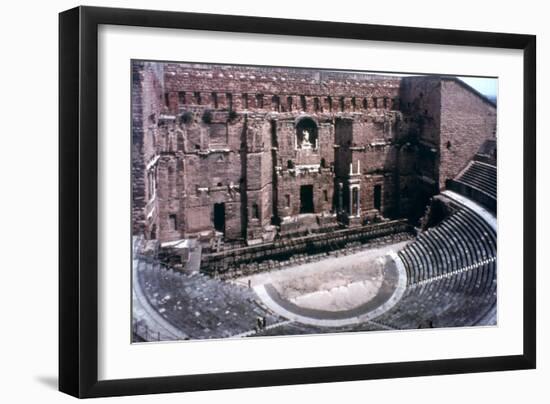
(451, 271)
(201, 306)
(481, 176)
(451, 282)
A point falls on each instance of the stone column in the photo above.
(351, 201)
(358, 201)
(340, 197)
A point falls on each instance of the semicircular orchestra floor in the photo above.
(337, 291)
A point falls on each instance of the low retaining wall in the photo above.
(222, 263)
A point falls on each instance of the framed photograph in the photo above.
(251, 201)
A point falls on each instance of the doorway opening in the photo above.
(219, 217)
(306, 199)
(377, 196)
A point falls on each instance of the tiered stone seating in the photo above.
(451, 270)
(481, 176)
(200, 306)
(461, 240)
(451, 282)
(460, 300)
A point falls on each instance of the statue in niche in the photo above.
(306, 144)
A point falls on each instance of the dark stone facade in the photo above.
(253, 153)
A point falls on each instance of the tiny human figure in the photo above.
(264, 321)
(249, 284)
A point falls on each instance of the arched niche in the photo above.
(307, 136)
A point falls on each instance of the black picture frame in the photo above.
(78, 196)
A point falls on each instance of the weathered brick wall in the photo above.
(467, 120)
(379, 168)
(450, 121)
(281, 97)
(276, 89)
(419, 139)
(212, 171)
(343, 133)
(289, 191)
(147, 106)
(421, 106)
(233, 135)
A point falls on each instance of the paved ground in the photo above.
(394, 280)
(333, 284)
